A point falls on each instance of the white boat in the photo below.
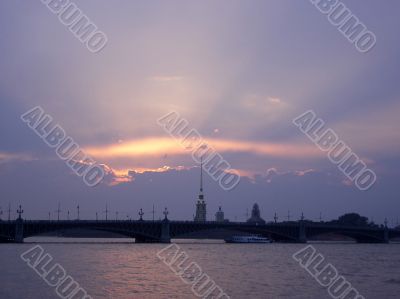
(248, 239)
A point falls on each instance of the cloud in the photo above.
(164, 79)
(274, 100)
(228, 68)
(166, 145)
(372, 133)
(264, 104)
(7, 157)
(153, 153)
(273, 172)
(177, 189)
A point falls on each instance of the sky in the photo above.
(238, 71)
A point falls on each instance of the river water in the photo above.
(120, 269)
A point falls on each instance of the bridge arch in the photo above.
(121, 228)
(222, 232)
(358, 236)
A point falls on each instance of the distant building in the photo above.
(201, 207)
(219, 216)
(255, 216)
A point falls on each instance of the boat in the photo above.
(248, 239)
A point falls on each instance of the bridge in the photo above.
(162, 231)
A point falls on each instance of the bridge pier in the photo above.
(302, 238)
(19, 231)
(165, 235)
(386, 235)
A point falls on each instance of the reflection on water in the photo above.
(117, 268)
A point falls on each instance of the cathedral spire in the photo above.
(201, 195)
(201, 210)
(201, 176)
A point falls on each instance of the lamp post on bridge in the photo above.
(19, 226)
(106, 212)
(165, 214)
(141, 214)
(58, 212)
(20, 211)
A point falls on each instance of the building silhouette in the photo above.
(201, 207)
(219, 216)
(256, 216)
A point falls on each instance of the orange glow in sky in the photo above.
(166, 145)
